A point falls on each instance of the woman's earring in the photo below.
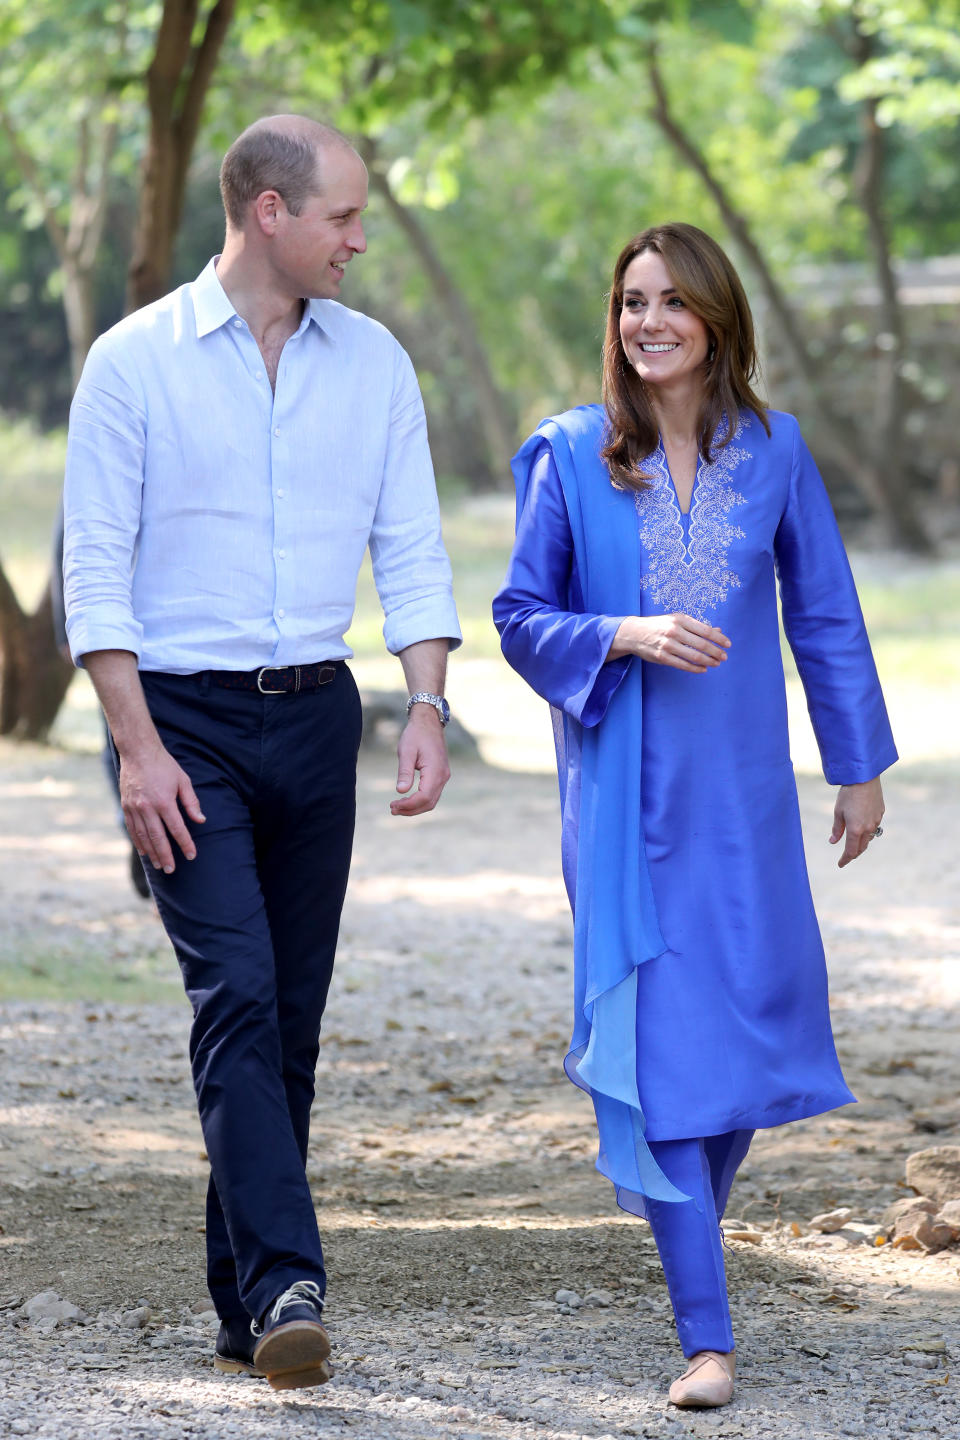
(712, 350)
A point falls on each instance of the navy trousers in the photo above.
(254, 922)
(688, 1235)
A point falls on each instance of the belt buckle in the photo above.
(262, 688)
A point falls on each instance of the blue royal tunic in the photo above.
(700, 982)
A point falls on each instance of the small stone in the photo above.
(137, 1319)
(568, 1297)
(600, 1298)
(907, 1206)
(949, 1215)
(865, 1232)
(831, 1220)
(935, 1172)
(48, 1307)
(924, 1229)
(20, 1427)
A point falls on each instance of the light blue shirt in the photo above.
(211, 524)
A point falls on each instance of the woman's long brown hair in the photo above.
(708, 284)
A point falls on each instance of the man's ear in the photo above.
(266, 210)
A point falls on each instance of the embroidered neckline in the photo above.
(688, 566)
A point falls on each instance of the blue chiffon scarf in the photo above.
(604, 858)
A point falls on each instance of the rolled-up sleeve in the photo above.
(102, 496)
(410, 564)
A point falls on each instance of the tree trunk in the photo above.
(178, 79)
(885, 491)
(497, 424)
(889, 394)
(34, 676)
(78, 309)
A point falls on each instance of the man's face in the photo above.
(309, 250)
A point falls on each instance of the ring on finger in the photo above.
(877, 833)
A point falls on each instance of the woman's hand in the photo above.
(676, 640)
(858, 812)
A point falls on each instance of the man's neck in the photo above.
(271, 314)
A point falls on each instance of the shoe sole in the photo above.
(294, 1356)
(227, 1366)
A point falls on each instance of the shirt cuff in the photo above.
(103, 631)
(418, 620)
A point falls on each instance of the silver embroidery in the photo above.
(691, 574)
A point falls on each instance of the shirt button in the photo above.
(276, 430)
(258, 375)
(281, 613)
(282, 554)
(238, 324)
(280, 493)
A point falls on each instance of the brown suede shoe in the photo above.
(707, 1381)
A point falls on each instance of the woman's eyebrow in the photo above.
(669, 291)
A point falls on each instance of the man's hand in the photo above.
(677, 640)
(422, 749)
(153, 787)
(858, 812)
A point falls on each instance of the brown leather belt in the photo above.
(278, 679)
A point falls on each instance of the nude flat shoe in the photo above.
(707, 1381)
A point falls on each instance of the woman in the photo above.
(641, 603)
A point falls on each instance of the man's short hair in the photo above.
(266, 159)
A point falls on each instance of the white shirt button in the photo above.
(276, 430)
(258, 375)
(238, 324)
(282, 554)
(281, 613)
(280, 493)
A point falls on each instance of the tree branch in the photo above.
(885, 493)
(31, 174)
(497, 424)
(205, 57)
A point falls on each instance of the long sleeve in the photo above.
(559, 649)
(410, 565)
(58, 614)
(825, 629)
(102, 491)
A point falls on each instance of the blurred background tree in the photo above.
(512, 148)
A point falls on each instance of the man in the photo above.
(233, 448)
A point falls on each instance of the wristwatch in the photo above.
(423, 697)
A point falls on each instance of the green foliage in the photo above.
(450, 59)
(519, 131)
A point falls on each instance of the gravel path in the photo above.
(451, 1161)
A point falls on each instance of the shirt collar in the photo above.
(212, 306)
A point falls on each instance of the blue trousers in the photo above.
(254, 922)
(688, 1234)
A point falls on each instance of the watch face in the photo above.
(444, 709)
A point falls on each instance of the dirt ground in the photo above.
(452, 1163)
